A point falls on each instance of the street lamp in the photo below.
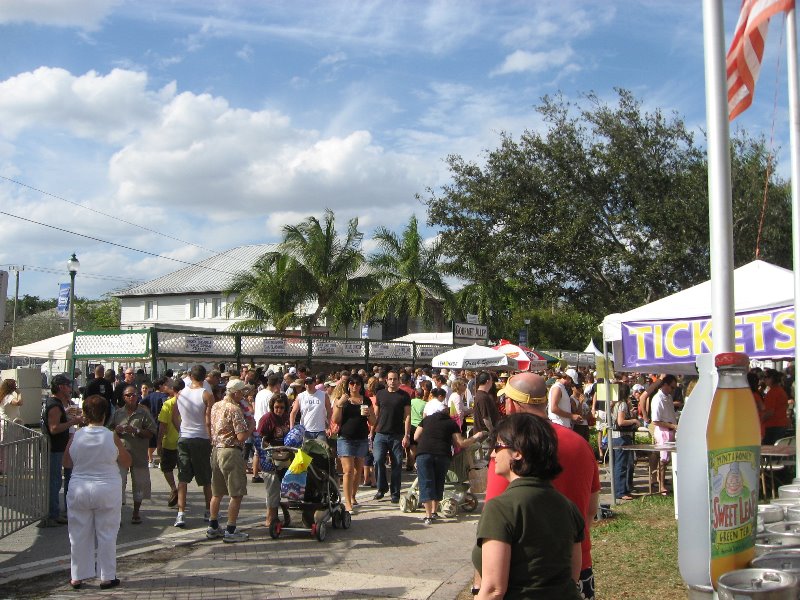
(72, 266)
(527, 333)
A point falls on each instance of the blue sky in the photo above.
(217, 123)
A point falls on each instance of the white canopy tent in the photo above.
(432, 337)
(757, 286)
(592, 349)
(474, 357)
(58, 347)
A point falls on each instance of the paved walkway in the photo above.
(385, 554)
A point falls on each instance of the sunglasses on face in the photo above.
(128, 395)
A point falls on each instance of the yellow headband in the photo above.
(522, 397)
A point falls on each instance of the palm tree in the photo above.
(325, 267)
(410, 276)
(266, 295)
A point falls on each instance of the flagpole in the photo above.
(719, 178)
(794, 144)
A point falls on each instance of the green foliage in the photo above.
(28, 305)
(562, 328)
(410, 276)
(91, 315)
(602, 209)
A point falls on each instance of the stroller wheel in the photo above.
(336, 520)
(320, 531)
(275, 529)
(413, 502)
(347, 520)
(404, 504)
(470, 502)
(449, 508)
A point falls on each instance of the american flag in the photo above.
(747, 50)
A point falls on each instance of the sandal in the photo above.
(76, 584)
(105, 585)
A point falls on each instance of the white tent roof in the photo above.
(428, 338)
(757, 285)
(58, 347)
(473, 357)
(592, 349)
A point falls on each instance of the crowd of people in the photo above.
(212, 427)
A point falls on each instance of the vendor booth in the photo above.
(667, 335)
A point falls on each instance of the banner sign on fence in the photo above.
(199, 344)
(275, 347)
(760, 334)
(62, 308)
(352, 349)
(326, 348)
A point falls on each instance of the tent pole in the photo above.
(794, 144)
(610, 446)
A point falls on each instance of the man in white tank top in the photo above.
(314, 408)
(193, 419)
(559, 407)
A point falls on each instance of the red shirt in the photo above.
(776, 401)
(408, 390)
(578, 480)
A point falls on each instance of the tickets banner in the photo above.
(760, 334)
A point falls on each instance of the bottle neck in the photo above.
(732, 378)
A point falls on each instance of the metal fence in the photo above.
(24, 455)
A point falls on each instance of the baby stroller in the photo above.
(320, 503)
(457, 494)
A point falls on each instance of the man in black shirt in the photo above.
(392, 434)
(100, 386)
(485, 405)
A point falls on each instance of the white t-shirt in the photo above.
(193, 413)
(313, 415)
(7, 410)
(563, 403)
(432, 407)
(456, 405)
(261, 404)
(662, 408)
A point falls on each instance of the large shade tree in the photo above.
(601, 209)
(411, 276)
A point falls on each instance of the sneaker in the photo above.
(434, 516)
(180, 521)
(150, 465)
(214, 534)
(427, 520)
(206, 516)
(379, 495)
(236, 536)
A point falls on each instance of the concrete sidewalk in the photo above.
(385, 554)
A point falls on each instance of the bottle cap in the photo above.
(732, 359)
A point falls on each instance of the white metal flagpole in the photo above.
(719, 178)
(794, 143)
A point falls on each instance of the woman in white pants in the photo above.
(95, 455)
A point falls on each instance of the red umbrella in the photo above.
(528, 358)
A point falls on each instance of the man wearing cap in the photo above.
(579, 481)
(56, 424)
(314, 407)
(559, 405)
(229, 431)
(193, 418)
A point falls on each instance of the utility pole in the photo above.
(16, 269)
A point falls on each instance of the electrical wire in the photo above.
(95, 211)
(16, 267)
(89, 237)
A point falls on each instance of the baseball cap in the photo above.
(234, 385)
(572, 374)
(292, 370)
(637, 387)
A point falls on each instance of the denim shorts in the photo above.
(357, 448)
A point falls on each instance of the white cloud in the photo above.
(105, 107)
(245, 53)
(522, 61)
(332, 59)
(86, 14)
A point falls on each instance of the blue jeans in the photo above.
(315, 435)
(431, 474)
(393, 444)
(55, 478)
(623, 467)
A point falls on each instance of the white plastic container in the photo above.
(784, 528)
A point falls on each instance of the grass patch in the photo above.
(635, 554)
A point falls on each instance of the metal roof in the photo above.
(211, 275)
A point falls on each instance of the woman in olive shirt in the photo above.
(529, 537)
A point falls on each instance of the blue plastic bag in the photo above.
(294, 439)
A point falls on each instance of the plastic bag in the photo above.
(300, 462)
(294, 438)
(293, 485)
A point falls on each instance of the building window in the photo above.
(150, 309)
(194, 309)
(216, 307)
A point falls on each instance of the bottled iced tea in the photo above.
(734, 453)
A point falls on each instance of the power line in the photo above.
(15, 267)
(89, 237)
(93, 210)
